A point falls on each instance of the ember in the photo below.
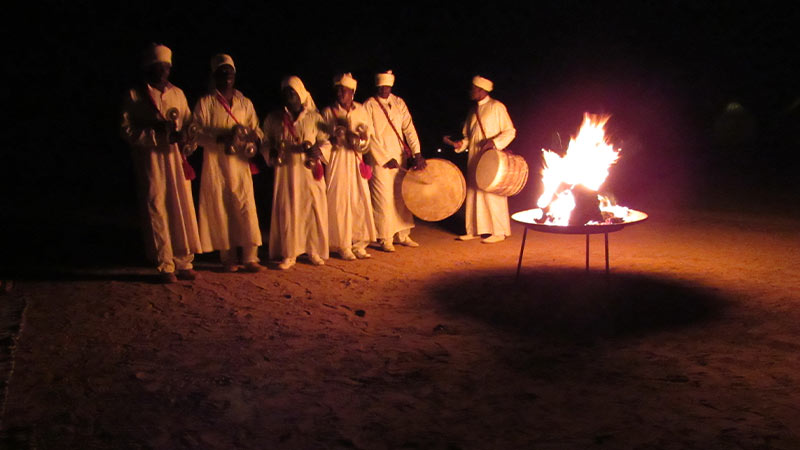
(571, 181)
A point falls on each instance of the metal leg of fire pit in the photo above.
(587, 252)
(521, 250)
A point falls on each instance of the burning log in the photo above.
(587, 206)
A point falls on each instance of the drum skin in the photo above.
(501, 173)
(436, 192)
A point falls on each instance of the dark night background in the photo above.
(665, 71)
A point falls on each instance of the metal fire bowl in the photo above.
(527, 218)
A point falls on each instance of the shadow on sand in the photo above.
(573, 304)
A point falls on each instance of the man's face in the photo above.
(224, 77)
(344, 95)
(291, 100)
(477, 94)
(384, 91)
(158, 73)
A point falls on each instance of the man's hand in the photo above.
(392, 164)
(313, 152)
(455, 144)
(419, 162)
(488, 144)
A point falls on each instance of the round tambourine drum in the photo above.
(436, 192)
(501, 173)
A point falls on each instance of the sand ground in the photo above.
(692, 342)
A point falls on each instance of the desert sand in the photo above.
(691, 342)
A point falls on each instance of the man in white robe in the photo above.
(395, 147)
(487, 127)
(296, 145)
(227, 218)
(350, 221)
(165, 193)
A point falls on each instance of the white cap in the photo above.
(220, 60)
(483, 83)
(158, 54)
(384, 79)
(346, 80)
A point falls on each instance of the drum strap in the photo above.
(480, 124)
(403, 145)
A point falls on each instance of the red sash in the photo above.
(221, 99)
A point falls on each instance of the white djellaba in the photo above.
(392, 217)
(165, 195)
(299, 222)
(227, 212)
(486, 213)
(351, 223)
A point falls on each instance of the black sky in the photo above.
(664, 70)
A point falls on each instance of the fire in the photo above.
(583, 169)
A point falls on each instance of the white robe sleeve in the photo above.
(409, 130)
(322, 138)
(134, 134)
(202, 117)
(464, 142)
(507, 131)
(375, 150)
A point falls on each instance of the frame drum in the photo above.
(501, 173)
(435, 193)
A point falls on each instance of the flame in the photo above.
(586, 162)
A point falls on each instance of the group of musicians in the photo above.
(336, 170)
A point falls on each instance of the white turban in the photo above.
(483, 83)
(220, 60)
(384, 79)
(158, 54)
(296, 83)
(346, 80)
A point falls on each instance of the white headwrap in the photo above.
(158, 54)
(483, 83)
(384, 79)
(296, 83)
(220, 60)
(346, 80)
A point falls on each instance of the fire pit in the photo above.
(570, 202)
(528, 219)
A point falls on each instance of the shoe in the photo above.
(167, 278)
(347, 255)
(467, 237)
(316, 260)
(408, 242)
(187, 274)
(286, 264)
(493, 238)
(387, 246)
(230, 268)
(253, 267)
(361, 253)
